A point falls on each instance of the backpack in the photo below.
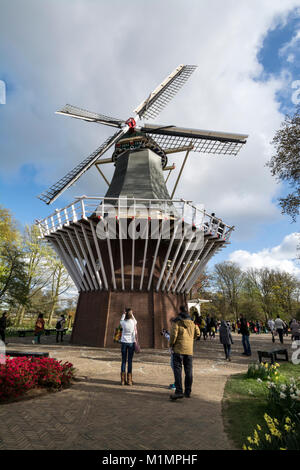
(58, 325)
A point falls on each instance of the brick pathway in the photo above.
(97, 413)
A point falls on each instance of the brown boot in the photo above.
(129, 379)
(123, 376)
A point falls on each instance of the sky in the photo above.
(107, 56)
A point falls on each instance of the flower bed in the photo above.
(20, 374)
(283, 431)
(263, 371)
(266, 403)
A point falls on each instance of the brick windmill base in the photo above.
(98, 314)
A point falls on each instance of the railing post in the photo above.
(82, 208)
(58, 217)
(74, 215)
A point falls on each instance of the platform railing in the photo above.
(85, 206)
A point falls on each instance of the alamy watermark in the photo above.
(2, 92)
(296, 353)
(2, 352)
(138, 221)
(296, 94)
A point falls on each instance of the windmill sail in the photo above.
(172, 137)
(163, 94)
(79, 113)
(56, 189)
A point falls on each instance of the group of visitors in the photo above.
(181, 342)
(39, 328)
(208, 326)
(281, 328)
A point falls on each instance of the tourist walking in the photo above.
(183, 333)
(271, 325)
(128, 324)
(3, 324)
(60, 325)
(39, 329)
(295, 330)
(213, 327)
(244, 330)
(203, 329)
(226, 339)
(207, 321)
(279, 326)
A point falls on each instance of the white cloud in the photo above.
(291, 58)
(290, 46)
(282, 257)
(107, 57)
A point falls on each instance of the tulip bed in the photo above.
(18, 375)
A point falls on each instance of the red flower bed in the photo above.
(20, 374)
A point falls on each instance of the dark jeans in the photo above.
(227, 350)
(187, 362)
(2, 335)
(37, 337)
(61, 333)
(246, 345)
(127, 348)
(280, 334)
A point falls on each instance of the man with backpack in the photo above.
(60, 328)
(183, 333)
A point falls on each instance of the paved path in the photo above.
(97, 413)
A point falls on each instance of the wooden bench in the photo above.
(273, 354)
(22, 333)
(48, 331)
(26, 354)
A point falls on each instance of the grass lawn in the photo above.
(245, 402)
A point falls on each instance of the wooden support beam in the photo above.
(180, 173)
(102, 174)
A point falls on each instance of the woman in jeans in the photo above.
(128, 324)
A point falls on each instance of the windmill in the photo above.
(154, 270)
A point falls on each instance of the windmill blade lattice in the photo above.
(164, 93)
(172, 137)
(79, 113)
(56, 189)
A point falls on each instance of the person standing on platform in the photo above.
(183, 333)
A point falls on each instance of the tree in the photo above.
(229, 279)
(285, 163)
(37, 255)
(12, 265)
(12, 276)
(272, 291)
(60, 284)
(200, 286)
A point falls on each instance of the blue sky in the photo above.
(247, 67)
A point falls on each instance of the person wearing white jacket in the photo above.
(128, 324)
